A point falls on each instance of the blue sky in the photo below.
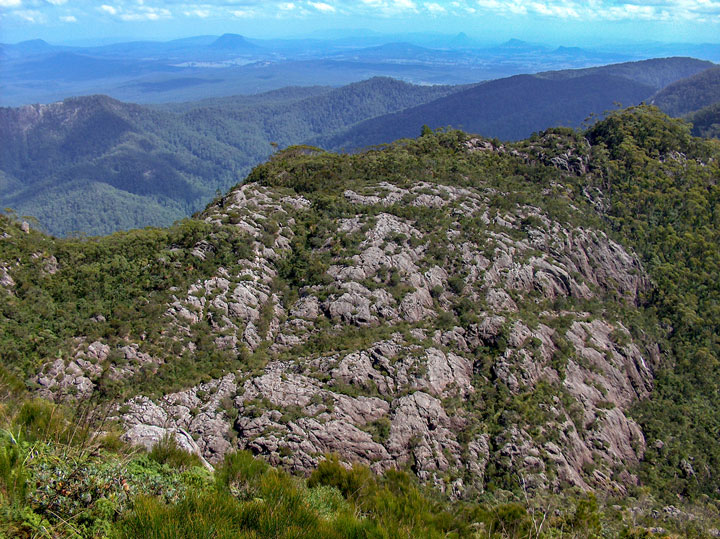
(556, 21)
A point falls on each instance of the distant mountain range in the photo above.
(214, 66)
(514, 107)
(94, 164)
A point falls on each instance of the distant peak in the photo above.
(35, 42)
(232, 41)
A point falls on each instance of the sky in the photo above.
(568, 22)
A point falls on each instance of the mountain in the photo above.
(508, 109)
(208, 66)
(656, 72)
(29, 48)
(690, 94)
(519, 45)
(233, 42)
(94, 165)
(391, 52)
(514, 107)
(151, 166)
(447, 334)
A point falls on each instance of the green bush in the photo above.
(166, 451)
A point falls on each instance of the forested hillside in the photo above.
(690, 94)
(446, 337)
(94, 165)
(656, 72)
(706, 121)
(514, 107)
(507, 109)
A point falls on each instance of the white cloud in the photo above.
(140, 12)
(201, 13)
(243, 13)
(322, 6)
(405, 4)
(30, 15)
(68, 18)
(594, 10)
(146, 14)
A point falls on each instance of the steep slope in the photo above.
(508, 109)
(690, 94)
(141, 166)
(331, 112)
(233, 43)
(336, 308)
(511, 324)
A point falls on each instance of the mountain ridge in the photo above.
(508, 323)
(177, 156)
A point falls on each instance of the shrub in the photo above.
(166, 451)
(354, 483)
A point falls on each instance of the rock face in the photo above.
(433, 325)
(415, 397)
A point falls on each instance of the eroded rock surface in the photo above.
(427, 327)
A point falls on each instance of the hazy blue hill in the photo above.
(508, 109)
(656, 72)
(690, 94)
(177, 48)
(391, 50)
(401, 53)
(461, 40)
(233, 42)
(215, 66)
(70, 66)
(30, 47)
(520, 45)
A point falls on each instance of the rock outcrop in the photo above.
(441, 325)
(416, 397)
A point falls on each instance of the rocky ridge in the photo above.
(437, 330)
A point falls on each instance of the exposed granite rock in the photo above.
(440, 311)
(5, 279)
